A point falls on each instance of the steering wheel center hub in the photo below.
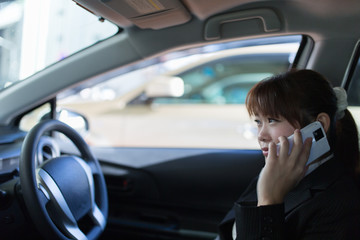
(71, 178)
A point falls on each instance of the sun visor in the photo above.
(153, 14)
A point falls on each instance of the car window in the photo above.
(189, 98)
(29, 42)
(353, 91)
(31, 119)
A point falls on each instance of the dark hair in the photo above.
(299, 96)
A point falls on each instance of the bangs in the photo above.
(272, 97)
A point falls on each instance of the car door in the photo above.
(183, 194)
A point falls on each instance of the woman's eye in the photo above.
(257, 122)
(272, 120)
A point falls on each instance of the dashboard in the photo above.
(10, 151)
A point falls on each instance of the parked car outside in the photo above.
(209, 112)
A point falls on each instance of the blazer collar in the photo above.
(315, 182)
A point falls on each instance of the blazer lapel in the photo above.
(296, 198)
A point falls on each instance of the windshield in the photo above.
(36, 34)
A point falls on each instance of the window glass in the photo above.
(29, 42)
(354, 87)
(353, 92)
(31, 119)
(190, 98)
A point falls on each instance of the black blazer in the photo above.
(324, 205)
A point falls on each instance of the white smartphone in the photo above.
(320, 144)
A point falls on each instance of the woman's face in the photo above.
(270, 129)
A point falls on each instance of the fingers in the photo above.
(300, 150)
(298, 143)
(284, 149)
(272, 151)
(306, 150)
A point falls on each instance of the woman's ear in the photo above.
(324, 119)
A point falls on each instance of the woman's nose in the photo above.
(263, 134)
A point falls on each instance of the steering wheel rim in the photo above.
(39, 192)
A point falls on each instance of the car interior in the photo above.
(86, 155)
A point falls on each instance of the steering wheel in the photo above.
(65, 196)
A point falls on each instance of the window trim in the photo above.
(303, 54)
(354, 59)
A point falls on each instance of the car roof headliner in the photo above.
(297, 15)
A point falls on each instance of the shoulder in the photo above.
(333, 211)
(344, 191)
(339, 201)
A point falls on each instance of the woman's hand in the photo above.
(281, 173)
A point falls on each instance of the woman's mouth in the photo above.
(265, 151)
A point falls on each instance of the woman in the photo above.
(290, 199)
